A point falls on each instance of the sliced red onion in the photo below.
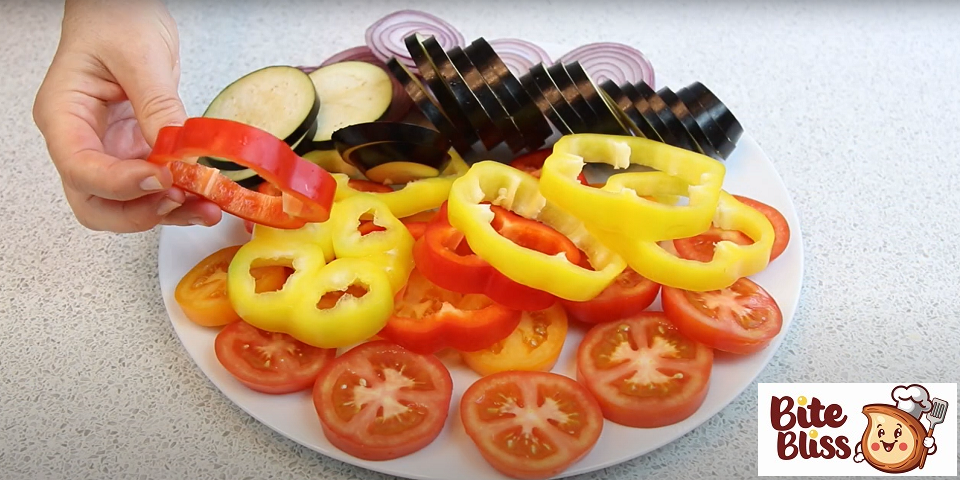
(385, 37)
(361, 53)
(306, 69)
(519, 55)
(614, 61)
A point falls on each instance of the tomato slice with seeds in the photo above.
(380, 401)
(532, 163)
(202, 292)
(269, 362)
(530, 424)
(629, 294)
(742, 318)
(643, 371)
(534, 345)
(701, 247)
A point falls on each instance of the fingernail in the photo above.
(151, 184)
(166, 206)
(197, 221)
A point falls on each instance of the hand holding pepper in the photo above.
(110, 88)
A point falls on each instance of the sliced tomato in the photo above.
(629, 294)
(530, 424)
(534, 345)
(532, 163)
(781, 228)
(643, 371)
(742, 318)
(202, 292)
(380, 401)
(269, 362)
(427, 318)
(701, 247)
(368, 186)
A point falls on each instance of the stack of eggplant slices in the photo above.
(353, 113)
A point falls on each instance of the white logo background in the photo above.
(851, 397)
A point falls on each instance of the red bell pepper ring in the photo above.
(427, 318)
(307, 190)
(444, 258)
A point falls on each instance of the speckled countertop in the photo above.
(855, 103)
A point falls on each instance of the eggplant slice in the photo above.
(488, 101)
(632, 117)
(609, 118)
(527, 113)
(553, 94)
(530, 85)
(431, 73)
(673, 133)
(646, 111)
(689, 124)
(399, 152)
(710, 127)
(718, 111)
(558, 73)
(428, 106)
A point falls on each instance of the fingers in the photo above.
(150, 80)
(100, 175)
(194, 211)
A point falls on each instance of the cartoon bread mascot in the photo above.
(895, 441)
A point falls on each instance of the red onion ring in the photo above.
(519, 55)
(401, 103)
(614, 61)
(385, 36)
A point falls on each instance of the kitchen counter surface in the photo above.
(854, 102)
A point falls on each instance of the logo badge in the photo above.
(837, 429)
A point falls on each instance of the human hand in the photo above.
(110, 88)
(928, 442)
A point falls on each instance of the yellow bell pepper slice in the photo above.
(391, 249)
(414, 197)
(621, 210)
(730, 262)
(311, 233)
(295, 308)
(505, 186)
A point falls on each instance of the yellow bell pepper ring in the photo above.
(390, 249)
(351, 319)
(294, 309)
(512, 189)
(621, 210)
(730, 261)
(414, 197)
(319, 234)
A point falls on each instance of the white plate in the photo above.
(749, 173)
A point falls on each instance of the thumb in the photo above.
(150, 80)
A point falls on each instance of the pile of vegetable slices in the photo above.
(426, 253)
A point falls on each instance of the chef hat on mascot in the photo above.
(912, 399)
